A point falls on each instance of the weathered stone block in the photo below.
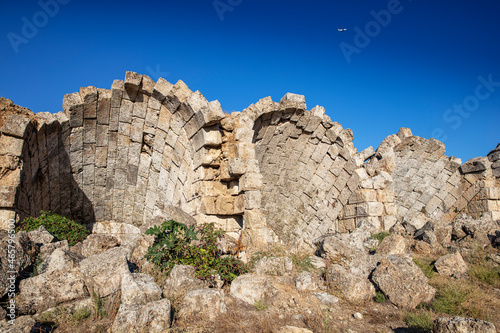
(16, 126)
(73, 108)
(89, 97)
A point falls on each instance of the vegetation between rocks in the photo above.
(59, 226)
(177, 244)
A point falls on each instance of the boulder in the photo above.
(40, 236)
(462, 325)
(60, 260)
(96, 271)
(293, 329)
(342, 248)
(153, 317)
(317, 262)
(475, 165)
(352, 287)
(25, 252)
(393, 244)
(202, 305)
(304, 281)
(251, 288)
(139, 288)
(97, 243)
(451, 265)
(50, 289)
(181, 280)
(274, 266)
(400, 279)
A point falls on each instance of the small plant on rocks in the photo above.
(177, 244)
(59, 226)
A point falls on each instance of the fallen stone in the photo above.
(352, 287)
(153, 317)
(393, 244)
(451, 265)
(96, 271)
(251, 288)
(462, 325)
(400, 279)
(139, 288)
(47, 249)
(60, 260)
(96, 243)
(50, 289)
(202, 305)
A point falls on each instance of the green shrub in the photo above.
(380, 236)
(174, 245)
(80, 314)
(379, 297)
(59, 226)
(420, 321)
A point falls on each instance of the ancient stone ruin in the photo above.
(277, 172)
(301, 205)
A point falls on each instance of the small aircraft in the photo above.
(341, 29)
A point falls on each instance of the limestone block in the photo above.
(95, 271)
(474, 165)
(16, 126)
(7, 196)
(251, 288)
(207, 137)
(161, 90)
(103, 106)
(11, 146)
(202, 305)
(206, 157)
(140, 109)
(251, 182)
(451, 264)
(245, 150)
(389, 221)
(153, 317)
(352, 287)
(363, 195)
(254, 219)
(385, 195)
(253, 199)
(132, 83)
(404, 133)
(139, 288)
(126, 111)
(462, 325)
(73, 108)
(89, 97)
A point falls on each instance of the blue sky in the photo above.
(432, 66)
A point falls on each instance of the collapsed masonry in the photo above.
(275, 172)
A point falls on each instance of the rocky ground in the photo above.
(440, 278)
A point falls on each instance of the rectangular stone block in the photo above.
(140, 110)
(251, 182)
(363, 195)
(11, 146)
(89, 98)
(7, 196)
(136, 129)
(103, 106)
(207, 137)
(89, 130)
(370, 209)
(73, 109)
(126, 111)
(386, 195)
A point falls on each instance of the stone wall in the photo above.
(275, 172)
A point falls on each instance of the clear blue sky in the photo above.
(420, 61)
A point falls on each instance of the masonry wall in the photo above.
(275, 172)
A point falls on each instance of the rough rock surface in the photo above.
(96, 271)
(96, 243)
(25, 252)
(153, 317)
(50, 289)
(400, 279)
(462, 325)
(180, 281)
(274, 266)
(202, 304)
(41, 236)
(353, 287)
(251, 288)
(451, 265)
(139, 288)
